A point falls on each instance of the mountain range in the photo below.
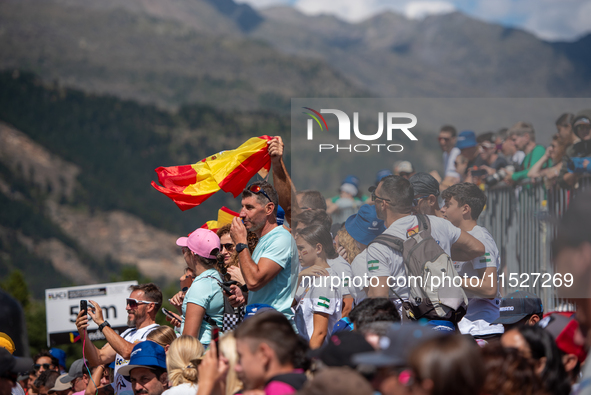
(231, 56)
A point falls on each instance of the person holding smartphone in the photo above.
(203, 304)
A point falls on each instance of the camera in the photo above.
(499, 176)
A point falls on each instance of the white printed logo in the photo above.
(507, 308)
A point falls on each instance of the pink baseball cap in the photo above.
(202, 242)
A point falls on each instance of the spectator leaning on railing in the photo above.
(524, 137)
(574, 154)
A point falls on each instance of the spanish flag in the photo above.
(190, 185)
(225, 216)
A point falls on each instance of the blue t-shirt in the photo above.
(206, 293)
(278, 246)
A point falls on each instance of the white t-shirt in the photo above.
(132, 335)
(518, 157)
(383, 261)
(360, 273)
(17, 390)
(481, 312)
(342, 268)
(449, 163)
(182, 389)
(317, 299)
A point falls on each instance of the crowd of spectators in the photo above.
(258, 312)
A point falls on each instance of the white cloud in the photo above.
(421, 9)
(547, 19)
(349, 10)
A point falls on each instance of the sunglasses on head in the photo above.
(133, 303)
(257, 189)
(38, 366)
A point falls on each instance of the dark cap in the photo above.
(12, 364)
(518, 305)
(396, 345)
(340, 348)
(424, 184)
(76, 370)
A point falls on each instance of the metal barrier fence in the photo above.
(522, 221)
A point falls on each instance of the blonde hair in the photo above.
(349, 244)
(182, 360)
(163, 335)
(227, 346)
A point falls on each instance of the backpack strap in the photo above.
(393, 242)
(209, 320)
(424, 223)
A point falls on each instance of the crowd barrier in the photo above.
(522, 220)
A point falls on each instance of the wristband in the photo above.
(103, 325)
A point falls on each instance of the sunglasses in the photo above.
(257, 189)
(228, 246)
(133, 303)
(375, 197)
(46, 366)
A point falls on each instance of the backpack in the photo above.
(424, 258)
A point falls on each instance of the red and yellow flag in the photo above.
(225, 216)
(190, 185)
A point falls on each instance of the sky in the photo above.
(552, 20)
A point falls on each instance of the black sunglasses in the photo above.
(257, 189)
(375, 197)
(46, 366)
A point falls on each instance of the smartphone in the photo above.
(215, 337)
(169, 314)
(84, 306)
(479, 173)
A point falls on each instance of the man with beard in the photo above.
(393, 199)
(142, 305)
(269, 272)
(146, 369)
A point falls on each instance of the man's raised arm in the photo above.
(281, 180)
(94, 355)
(255, 275)
(115, 343)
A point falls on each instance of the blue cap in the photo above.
(365, 225)
(256, 308)
(466, 139)
(381, 174)
(60, 355)
(351, 180)
(280, 215)
(146, 354)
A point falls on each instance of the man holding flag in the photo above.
(271, 272)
